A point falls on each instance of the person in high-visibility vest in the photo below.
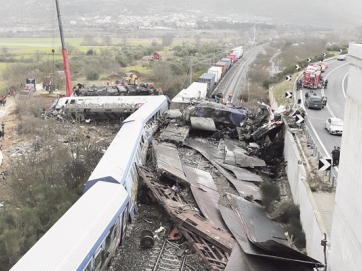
(230, 96)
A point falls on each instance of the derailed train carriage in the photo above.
(86, 236)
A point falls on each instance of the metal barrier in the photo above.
(317, 152)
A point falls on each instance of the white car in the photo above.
(342, 58)
(334, 126)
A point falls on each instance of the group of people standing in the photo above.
(3, 100)
(335, 156)
(299, 84)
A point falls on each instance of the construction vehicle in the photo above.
(155, 55)
(48, 83)
(130, 78)
(29, 89)
(312, 77)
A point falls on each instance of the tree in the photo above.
(197, 38)
(38, 55)
(107, 40)
(167, 39)
(92, 75)
(163, 74)
(88, 40)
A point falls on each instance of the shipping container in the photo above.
(209, 79)
(217, 71)
(232, 58)
(235, 56)
(196, 90)
(223, 65)
(227, 61)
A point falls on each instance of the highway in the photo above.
(337, 75)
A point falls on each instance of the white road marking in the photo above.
(329, 110)
(344, 79)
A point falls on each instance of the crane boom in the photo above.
(68, 79)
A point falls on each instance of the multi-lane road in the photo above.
(337, 75)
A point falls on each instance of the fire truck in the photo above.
(312, 76)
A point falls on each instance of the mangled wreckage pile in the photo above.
(209, 186)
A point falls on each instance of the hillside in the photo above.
(308, 12)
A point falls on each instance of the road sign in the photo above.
(288, 94)
(299, 119)
(324, 164)
(297, 67)
(288, 78)
(309, 59)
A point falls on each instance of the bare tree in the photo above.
(88, 40)
(197, 38)
(107, 40)
(167, 39)
(38, 56)
(163, 74)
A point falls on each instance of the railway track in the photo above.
(236, 78)
(168, 257)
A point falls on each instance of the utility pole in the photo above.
(254, 31)
(191, 70)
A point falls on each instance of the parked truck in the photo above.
(209, 79)
(312, 77)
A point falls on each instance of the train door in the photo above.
(144, 148)
(98, 259)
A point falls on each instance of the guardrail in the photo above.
(311, 141)
(317, 152)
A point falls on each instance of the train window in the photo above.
(88, 267)
(72, 101)
(109, 238)
(98, 260)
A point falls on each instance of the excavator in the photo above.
(130, 78)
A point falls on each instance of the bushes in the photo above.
(289, 214)
(92, 75)
(270, 192)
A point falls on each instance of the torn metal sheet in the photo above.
(206, 124)
(175, 134)
(241, 158)
(221, 114)
(168, 162)
(208, 151)
(240, 261)
(206, 195)
(245, 189)
(265, 233)
(243, 174)
(235, 225)
(271, 129)
(185, 217)
(214, 258)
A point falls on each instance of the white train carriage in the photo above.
(86, 236)
(129, 146)
(118, 163)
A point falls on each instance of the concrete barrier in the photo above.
(302, 195)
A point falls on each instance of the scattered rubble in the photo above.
(209, 187)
